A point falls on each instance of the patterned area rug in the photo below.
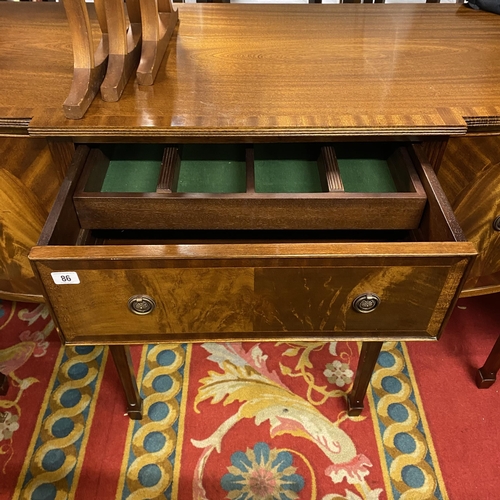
(245, 421)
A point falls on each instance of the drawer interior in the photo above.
(373, 168)
(250, 186)
(131, 168)
(211, 168)
(225, 237)
(228, 284)
(222, 168)
(287, 168)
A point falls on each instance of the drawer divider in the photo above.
(169, 174)
(329, 172)
(330, 203)
(250, 170)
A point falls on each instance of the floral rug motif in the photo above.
(242, 421)
(27, 338)
(259, 421)
(275, 393)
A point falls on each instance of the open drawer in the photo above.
(261, 186)
(115, 286)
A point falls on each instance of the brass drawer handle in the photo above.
(141, 304)
(496, 224)
(366, 303)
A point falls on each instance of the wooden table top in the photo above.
(246, 71)
(36, 61)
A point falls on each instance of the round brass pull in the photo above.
(366, 302)
(141, 304)
(496, 224)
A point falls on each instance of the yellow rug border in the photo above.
(130, 430)
(38, 425)
(423, 419)
(88, 424)
(182, 415)
(378, 438)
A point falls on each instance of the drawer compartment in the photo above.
(207, 168)
(233, 285)
(262, 186)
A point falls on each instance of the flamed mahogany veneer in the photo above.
(259, 260)
(213, 284)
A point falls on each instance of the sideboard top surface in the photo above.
(271, 70)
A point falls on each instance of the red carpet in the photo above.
(464, 421)
(249, 421)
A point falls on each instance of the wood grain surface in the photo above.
(234, 289)
(251, 298)
(29, 182)
(276, 70)
(470, 176)
(252, 73)
(263, 70)
(36, 60)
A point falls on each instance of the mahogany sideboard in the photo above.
(267, 94)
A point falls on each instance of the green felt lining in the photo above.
(221, 168)
(366, 175)
(212, 168)
(286, 168)
(133, 168)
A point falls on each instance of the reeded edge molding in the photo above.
(247, 132)
(13, 127)
(482, 123)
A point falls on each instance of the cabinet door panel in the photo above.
(470, 176)
(29, 182)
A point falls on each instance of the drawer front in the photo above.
(248, 297)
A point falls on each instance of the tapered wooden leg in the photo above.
(4, 384)
(123, 363)
(367, 361)
(487, 375)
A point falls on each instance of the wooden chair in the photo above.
(159, 19)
